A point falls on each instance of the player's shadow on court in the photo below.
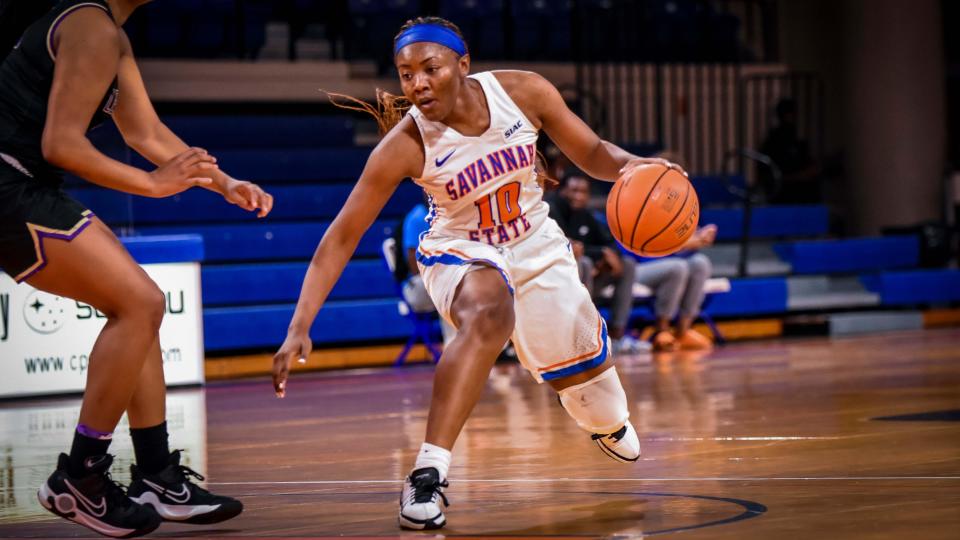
(194, 532)
(608, 517)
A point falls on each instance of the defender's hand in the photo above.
(249, 196)
(192, 167)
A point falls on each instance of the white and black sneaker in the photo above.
(171, 493)
(622, 445)
(422, 500)
(95, 500)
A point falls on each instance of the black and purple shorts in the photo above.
(32, 210)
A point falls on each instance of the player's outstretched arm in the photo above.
(143, 131)
(88, 47)
(595, 156)
(399, 155)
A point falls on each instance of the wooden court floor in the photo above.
(764, 440)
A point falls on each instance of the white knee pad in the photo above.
(598, 405)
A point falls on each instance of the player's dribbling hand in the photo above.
(294, 347)
(190, 168)
(651, 161)
(248, 196)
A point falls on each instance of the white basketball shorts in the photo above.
(558, 331)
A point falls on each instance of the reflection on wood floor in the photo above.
(754, 441)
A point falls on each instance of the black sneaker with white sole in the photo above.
(95, 500)
(171, 493)
(422, 500)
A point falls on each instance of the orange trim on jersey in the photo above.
(585, 356)
(427, 252)
(461, 254)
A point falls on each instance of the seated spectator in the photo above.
(414, 292)
(678, 281)
(598, 256)
(800, 180)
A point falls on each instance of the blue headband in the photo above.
(432, 33)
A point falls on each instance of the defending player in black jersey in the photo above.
(71, 68)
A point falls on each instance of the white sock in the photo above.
(433, 456)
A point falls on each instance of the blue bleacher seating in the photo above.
(766, 221)
(201, 28)
(850, 255)
(255, 132)
(750, 297)
(541, 29)
(373, 23)
(235, 328)
(322, 164)
(268, 241)
(769, 221)
(927, 286)
(298, 202)
(712, 190)
(481, 23)
(278, 283)
(253, 269)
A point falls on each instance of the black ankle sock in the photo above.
(82, 448)
(151, 448)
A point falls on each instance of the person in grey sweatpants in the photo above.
(678, 283)
(598, 256)
(622, 302)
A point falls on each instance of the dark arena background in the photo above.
(823, 140)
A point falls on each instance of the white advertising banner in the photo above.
(45, 340)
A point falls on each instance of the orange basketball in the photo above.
(653, 210)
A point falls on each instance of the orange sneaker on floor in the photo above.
(664, 341)
(691, 340)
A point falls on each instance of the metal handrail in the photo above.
(750, 195)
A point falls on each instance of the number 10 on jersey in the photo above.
(509, 221)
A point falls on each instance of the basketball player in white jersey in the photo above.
(496, 266)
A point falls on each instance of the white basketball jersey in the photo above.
(483, 188)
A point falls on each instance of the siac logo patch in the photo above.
(513, 129)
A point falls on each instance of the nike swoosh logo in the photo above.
(179, 497)
(441, 161)
(92, 462)
(97, 510)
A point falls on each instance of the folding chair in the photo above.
(643, 296)
(423, 323)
